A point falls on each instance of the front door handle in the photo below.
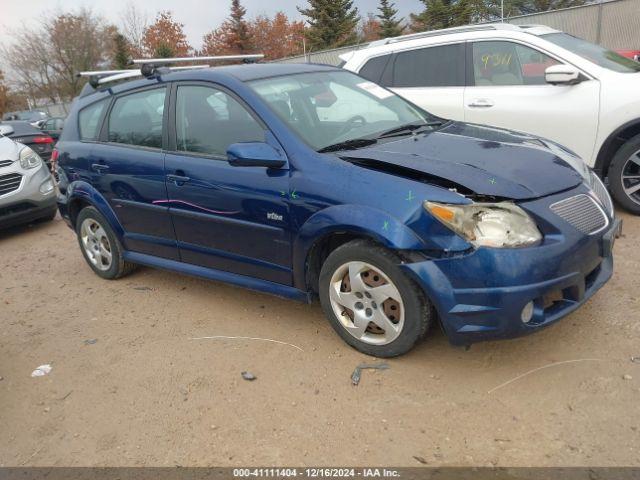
(99, 167)
(178, 179)
(481, 103)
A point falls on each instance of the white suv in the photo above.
(529, 78)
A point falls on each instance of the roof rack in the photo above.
(445, 31)
(151, 67)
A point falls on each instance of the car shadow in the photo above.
(35, 226)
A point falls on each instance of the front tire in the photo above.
(370, 302)
(99, 245)
(624, 175)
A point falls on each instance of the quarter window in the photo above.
(136, 119)
(373, 69)
(508, 63)
(440, 66)
(88, 119)
(209, 120)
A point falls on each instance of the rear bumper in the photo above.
(481, 296)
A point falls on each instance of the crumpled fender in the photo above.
(357, 219)
(82, 190)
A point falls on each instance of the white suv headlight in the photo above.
(499, 225)
(29, 158)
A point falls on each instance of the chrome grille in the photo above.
(5, 163)
(9, 182)
(601, 192)
(582, 212)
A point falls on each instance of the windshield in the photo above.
(331, 108)
(594, 53)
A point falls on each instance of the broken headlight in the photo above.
(498, 225)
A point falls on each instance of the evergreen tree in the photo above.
(120, 52)
(164, 50)
(389, 26)
(333, 23)
(240, 39)
(448, 13)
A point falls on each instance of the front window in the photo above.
(594, 53)
(327, 108)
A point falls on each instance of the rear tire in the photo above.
(625, 166)
(370, 302)
(99, 245)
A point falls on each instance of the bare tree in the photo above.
(44, 59)
(134, 23)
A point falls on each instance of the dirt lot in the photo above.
(147, 393)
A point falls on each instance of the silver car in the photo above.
(27, 190)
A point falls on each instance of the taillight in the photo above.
(54, 155)
(43, 140)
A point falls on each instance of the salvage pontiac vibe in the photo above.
(308, 181)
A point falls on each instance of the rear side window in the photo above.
(373, 69)
(89, 118)
(136, 119)
(441, 66)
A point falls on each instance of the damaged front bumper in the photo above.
(485, 294)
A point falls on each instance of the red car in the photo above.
(633, 54)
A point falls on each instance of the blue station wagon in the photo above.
(307, 181)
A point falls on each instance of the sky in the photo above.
(198, 16)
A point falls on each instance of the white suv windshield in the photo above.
(326, 108)
(594, 53)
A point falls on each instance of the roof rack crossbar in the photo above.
(214, 58)
(138, 73)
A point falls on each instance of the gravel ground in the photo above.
(130, 385)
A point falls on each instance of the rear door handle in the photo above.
(99, 167)
(178, 179)
(481, 103)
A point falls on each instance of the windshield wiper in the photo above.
(407, 129)
(349, 145)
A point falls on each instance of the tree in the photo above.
(121, 52)
(44, 60)
(4, 95)
(277, 37)
(165, 37)
(233, 37)
(332, 23)
(389, 25)
(448, 13)
(133, 24)
(370, 29)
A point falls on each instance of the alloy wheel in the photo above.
(367, 303)
(631, 177)
(96, 244)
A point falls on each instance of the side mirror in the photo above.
(562, 75)
(254, 154)
(6, 129)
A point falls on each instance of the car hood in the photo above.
(485, 160)
(9, 150)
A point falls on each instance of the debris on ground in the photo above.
(142, 288)
(90, 341)
(355, 376)
(635, 359)
(627, 377)
(421, 460)
(248, 376)
(41, 371)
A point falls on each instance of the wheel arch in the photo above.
(330, 228)
(613, 143)
(81, 195)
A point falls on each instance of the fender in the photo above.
(82, 190)
(356, 219)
